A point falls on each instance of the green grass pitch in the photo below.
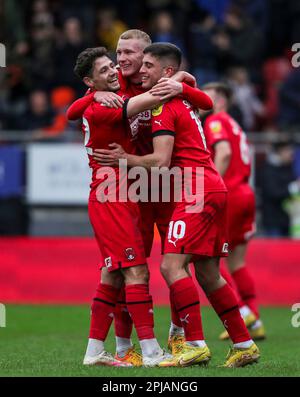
(51, 341)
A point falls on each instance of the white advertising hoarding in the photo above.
(57, 173)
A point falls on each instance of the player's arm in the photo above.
(168, 88)
(223, 155)
(142, 102)
(109, 99)
(185, 77)
(161, 156)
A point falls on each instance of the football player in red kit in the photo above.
(229, 147)
(115, 222)
(195, 234)
(129, 56)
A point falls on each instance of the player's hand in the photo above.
(109, 157)
(166, 89)
(109, 99)
(185, 77)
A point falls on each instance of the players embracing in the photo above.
(178, 140)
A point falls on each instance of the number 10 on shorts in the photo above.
(176, 230)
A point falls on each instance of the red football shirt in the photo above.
(219, 127)
(102, 126)
(178, 118)
(140, 125)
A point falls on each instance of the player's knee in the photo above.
(137, 275)
(112, 278)
(165, 269)
(207, 279)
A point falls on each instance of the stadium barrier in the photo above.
(66, 271)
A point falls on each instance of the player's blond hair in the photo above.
(136, 34)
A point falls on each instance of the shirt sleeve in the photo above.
(197, 97)
(215, 131)
(163, 121)
(102, 114)
(76, 110)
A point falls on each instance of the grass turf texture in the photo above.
(51, 341)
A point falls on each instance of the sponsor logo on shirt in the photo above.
(215, 127)
(157, 111)
(108, 262)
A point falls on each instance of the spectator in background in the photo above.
(12, 29)
(277, 180)
(202, 50)
(289, 102)
(39, 114)
(163, 30)
(42, 37)
(245, 97)
(239, 42)
(69, 46)
(61, 99)
(108, 28)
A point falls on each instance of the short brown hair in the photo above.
(136, 34)
(165, 51)
(220, 88)
(86, 59)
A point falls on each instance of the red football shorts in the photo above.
(241, 215)
(151, 213)
(202, 233)
(117, 231)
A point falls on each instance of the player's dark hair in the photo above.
(165, 51)
(220, 88)
(85, 61)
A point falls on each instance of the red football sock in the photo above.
(228, 278)
(186, 299)
(174, 315)
(246, 288)
(103, 307)
(140, 306)
(122, 320)
(225, 304)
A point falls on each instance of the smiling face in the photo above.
(152, 70)
(130, 57)
(104, 76)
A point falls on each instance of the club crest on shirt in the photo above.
(130, 254)
(157, 111)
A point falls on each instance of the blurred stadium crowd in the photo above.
(244, 42)
(247, 42)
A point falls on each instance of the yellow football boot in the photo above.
(258, 333)
(249, 320)
(131, 357)
(176, 344)
(239, 357)
(189, 355)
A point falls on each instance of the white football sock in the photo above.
(175, 330)
(196, 343)
(256, 325)
(245, 311)
(122, 345)
(150, 347)
(244, 345)
(94, 347)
